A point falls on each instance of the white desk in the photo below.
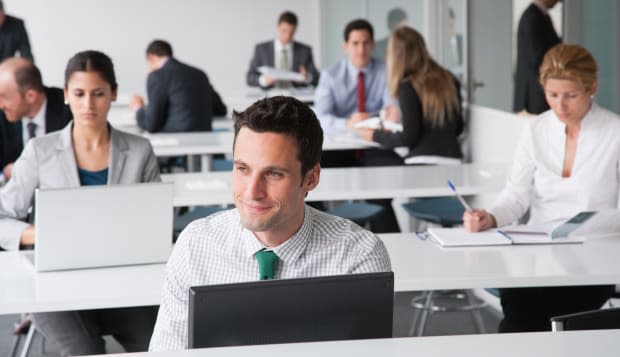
(193, 189)
(601, 343)
(208, 143)
(424, 265)
(24, 290)
(417, 265)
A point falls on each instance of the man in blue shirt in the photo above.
(338, 95)
(348, 92)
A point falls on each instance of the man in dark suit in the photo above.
(28, 109)
(535, 35)
(181, 97)
(277, 54)
(13, 37)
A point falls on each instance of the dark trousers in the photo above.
(386, 221)
(80, 332)
(530, 309)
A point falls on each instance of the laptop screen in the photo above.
(95, 226)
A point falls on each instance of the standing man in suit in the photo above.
(13, 37)
(181, 97)
(535, 35)
(282, 53)
(28, 109)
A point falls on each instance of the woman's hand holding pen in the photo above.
(478, 220)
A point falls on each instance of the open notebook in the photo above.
(539, 234)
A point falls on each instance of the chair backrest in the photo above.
(588, 320)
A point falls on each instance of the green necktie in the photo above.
(267, 262)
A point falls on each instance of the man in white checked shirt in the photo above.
(277, 151)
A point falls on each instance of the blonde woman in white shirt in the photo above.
(567, 161)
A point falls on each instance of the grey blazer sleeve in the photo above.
(151, 168)
(16, 198)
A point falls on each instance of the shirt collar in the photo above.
(542, 7)
(279, 46)
(586, 122)
(38, 118)
(291, 249)
(353, 71)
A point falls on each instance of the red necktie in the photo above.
(361, 95)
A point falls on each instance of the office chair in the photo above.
(447, 212)
(181, 221)
(588, 320)
(359, 212)
(24, 328)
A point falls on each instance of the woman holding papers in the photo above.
(429, 101)
(88, 151)
(567, 161)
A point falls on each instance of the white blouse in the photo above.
(536, 178)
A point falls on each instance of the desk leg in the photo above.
(191, 165)
(205, 162)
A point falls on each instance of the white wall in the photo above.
(217, 36)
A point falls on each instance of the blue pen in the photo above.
(458, 196)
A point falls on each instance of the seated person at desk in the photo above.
(29, 109)
(181, 98)
(355, 88)
(432, 121)
(285, 53)
(88, 151)
(276, 151)
(350, 91)
(567, 161)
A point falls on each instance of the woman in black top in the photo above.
(429, 99)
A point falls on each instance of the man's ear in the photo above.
(311, 180)
(30, 95)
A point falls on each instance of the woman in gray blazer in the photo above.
(88, 151)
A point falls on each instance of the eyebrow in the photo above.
(267, 168)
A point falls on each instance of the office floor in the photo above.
(439, 324)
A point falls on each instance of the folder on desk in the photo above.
(569, 231)
(459, 237)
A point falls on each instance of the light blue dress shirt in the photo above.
(335, 98)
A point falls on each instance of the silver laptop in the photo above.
(98, 226)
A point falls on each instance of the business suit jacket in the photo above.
(49, 162)
(57, 115)
(418, 135)
(180, 98)
(535, 36)
(14, 38)
(264, 55)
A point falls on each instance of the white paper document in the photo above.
(281, 75)
(459, 237)
(377, 123)
(574, 230)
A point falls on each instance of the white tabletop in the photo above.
(355, 183)
(24, 290)
(424, 265)
(417, 265)
(221, 142)
(600, 343)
